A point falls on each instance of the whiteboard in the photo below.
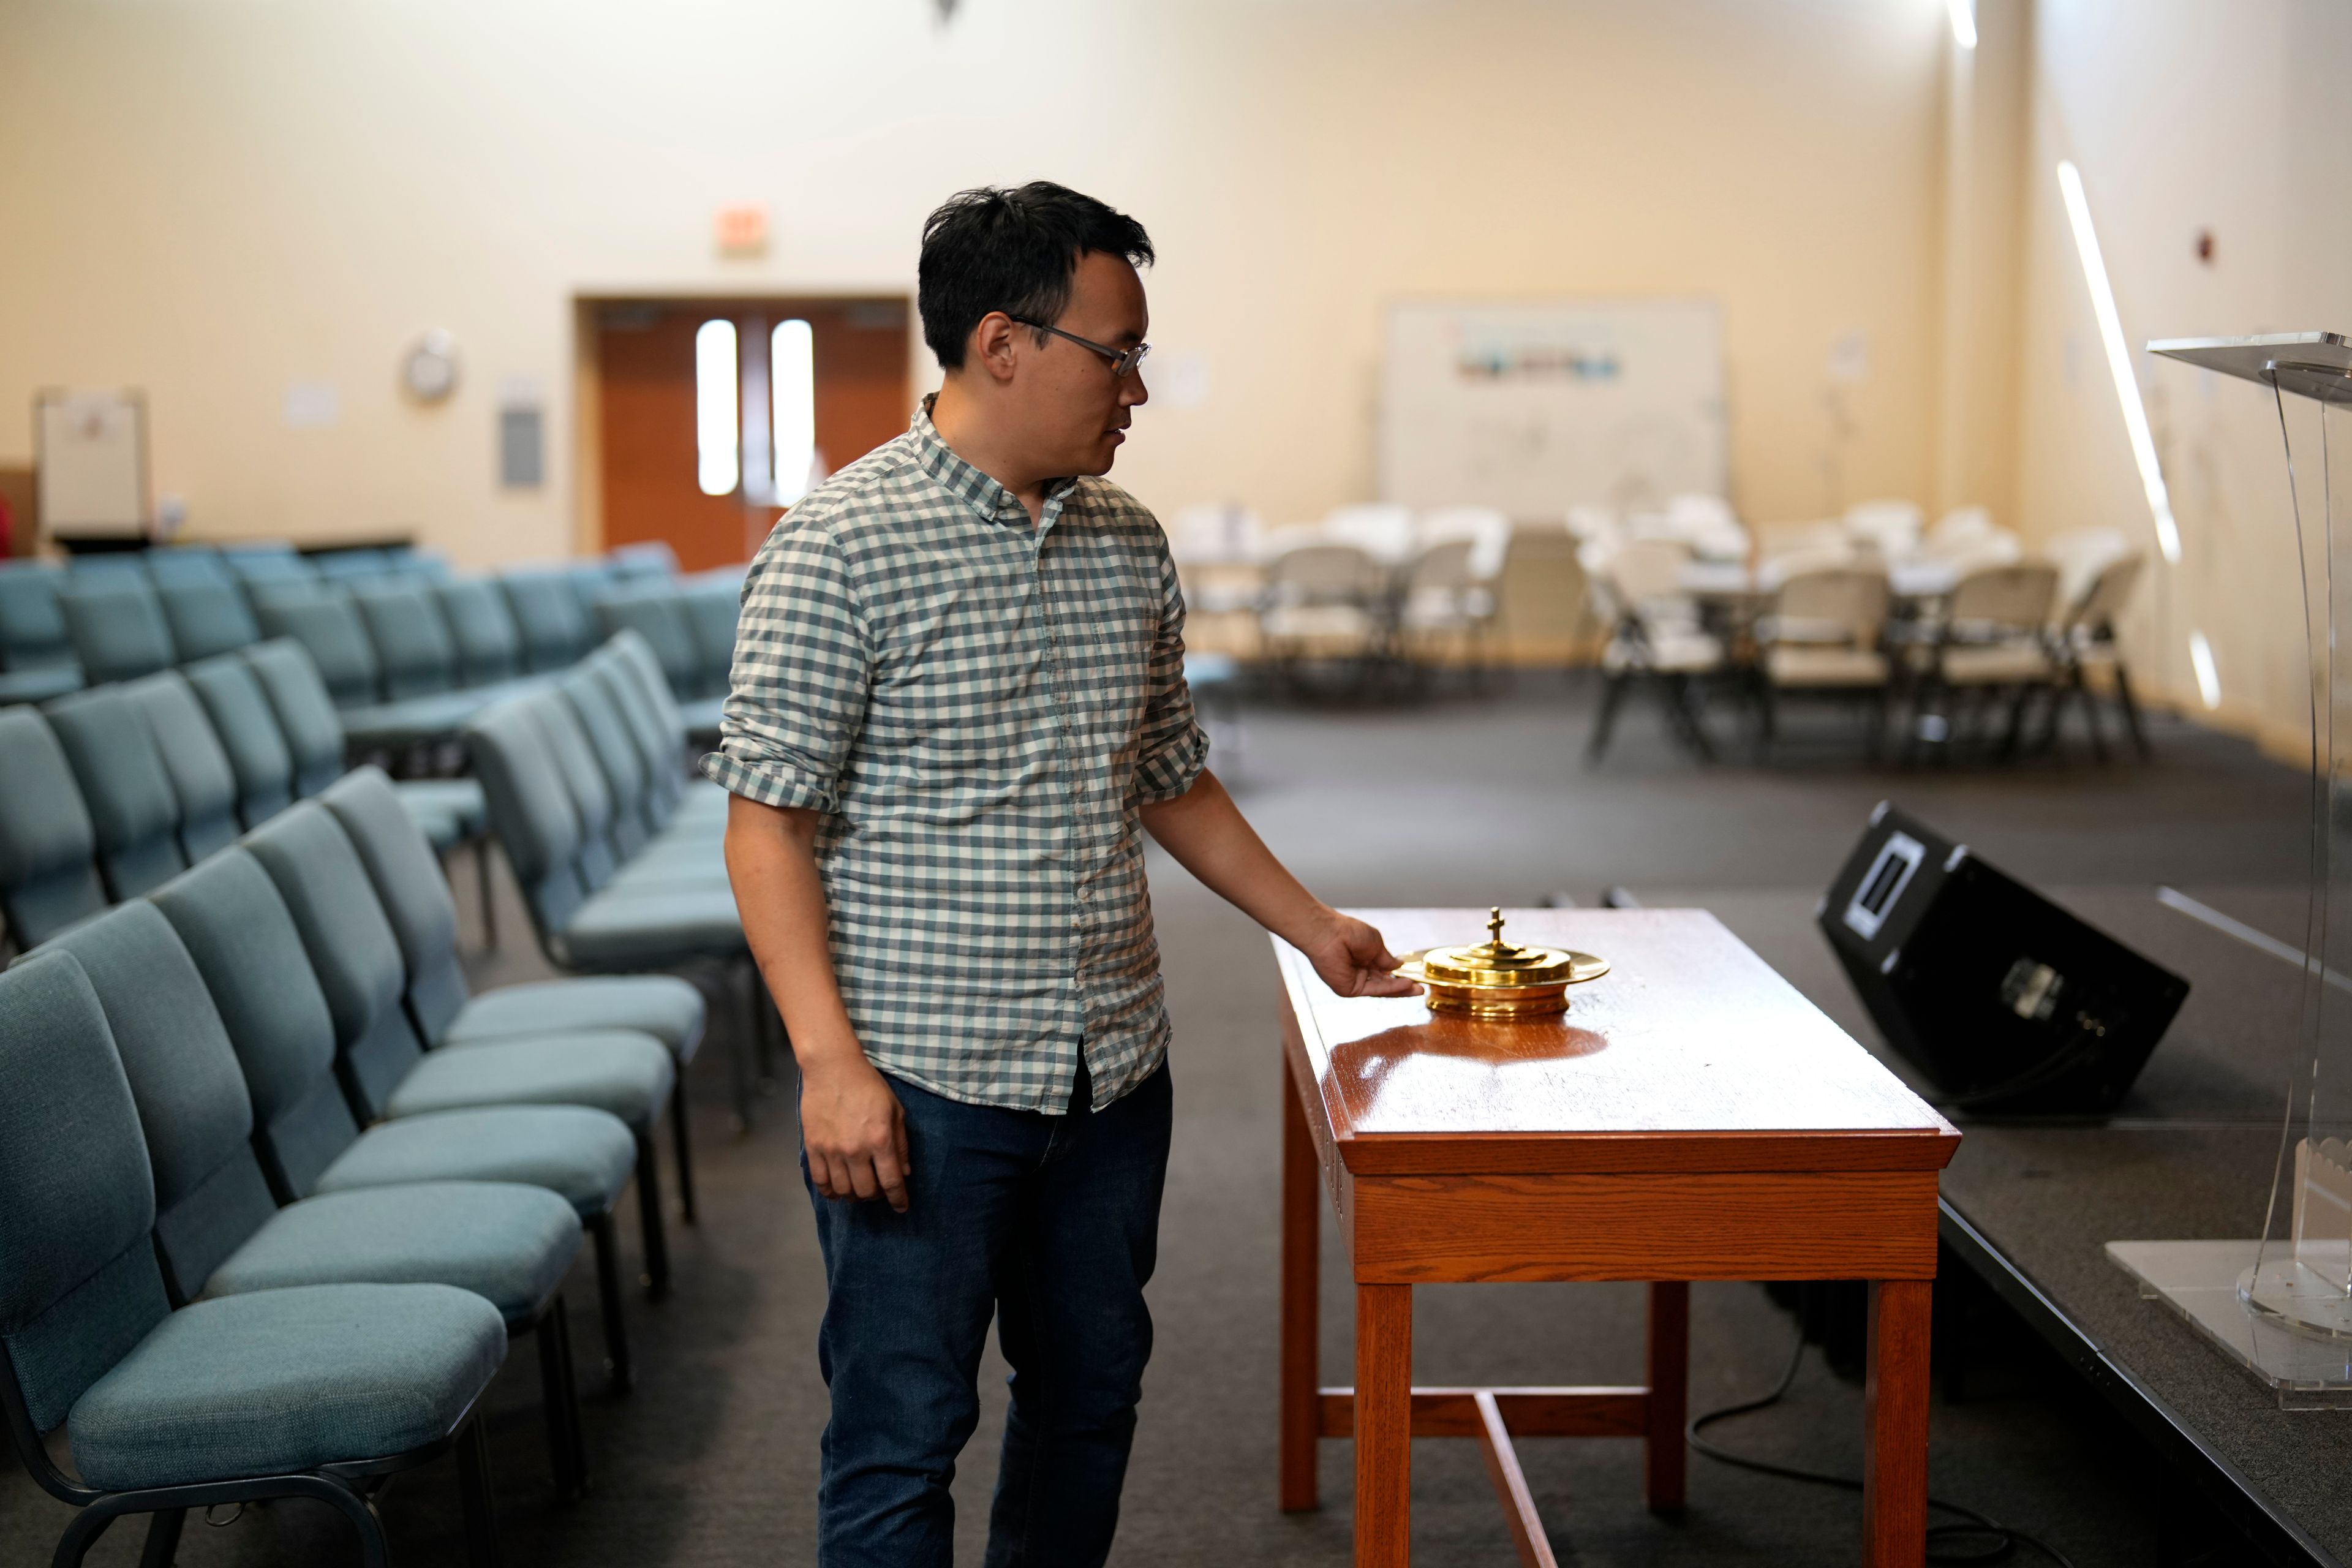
(1536, 405)
(91, 462)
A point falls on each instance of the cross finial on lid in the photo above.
(1495, 924)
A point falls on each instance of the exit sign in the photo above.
(742, 229)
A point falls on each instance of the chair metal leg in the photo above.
(618, 1363)
(2069, 686)
(164, 1528)
(81, 1534)
(558, 1402)
(681, 1142)
(481, 1510)
(1685, 717)
(571, 1391)
(1767, 721)
(1613, 694)
(2016, 731)
(375, 1552)
(650, 1218)
(482, 884)
(2131, 712)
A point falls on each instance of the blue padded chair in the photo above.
(352, 565)
(426, 567)
(591, 581)
(638, 814)
(184, 563)
(203, 778)
(117, 626)
(268, 560)
(242, 936)
(449, 810)
(636, 677)
(423, 919)
(629, 675)
(36, 656)
(308, 1392)
(556, 630)
(413, 649)
(666, 861)
(325, 624)
(388, 1073)
(328, 627)
(659, 615)
(713, 611)
(584, 929)
(579, 926)
(647, 558)
(107, 565)
(249, 730)
(482, 628)
(207, 618)
(219, 1231)
(48, 871)
(131, 803)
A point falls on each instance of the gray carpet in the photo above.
(1470, 802)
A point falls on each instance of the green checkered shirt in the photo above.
(977, 707)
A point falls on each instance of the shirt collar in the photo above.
(990, 500)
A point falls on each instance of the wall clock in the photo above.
(428, 373)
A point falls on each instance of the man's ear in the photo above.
(992, 348)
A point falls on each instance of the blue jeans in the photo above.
(1051, 1224)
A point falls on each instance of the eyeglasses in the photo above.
(1122, 360)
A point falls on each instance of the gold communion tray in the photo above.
(1497, 979)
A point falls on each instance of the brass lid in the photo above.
(1498, 963)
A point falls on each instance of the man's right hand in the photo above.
(854, 1132)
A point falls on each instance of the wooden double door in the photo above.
(646, 410)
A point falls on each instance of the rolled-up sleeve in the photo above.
(1174, 748)
(802, 659)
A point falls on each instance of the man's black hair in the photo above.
(1015, 251)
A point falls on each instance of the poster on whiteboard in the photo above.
(1534, 406)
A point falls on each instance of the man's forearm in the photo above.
(772, 862)
(1208, 836)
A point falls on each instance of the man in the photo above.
(959, 688)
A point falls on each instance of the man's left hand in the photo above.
(1352, 959)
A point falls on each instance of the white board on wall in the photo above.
(1536, 405)
(90, 459)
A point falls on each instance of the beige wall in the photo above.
(2183, 115)
(214, 198)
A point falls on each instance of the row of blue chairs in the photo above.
(109, 791)
(619, 854)
(407, 653)
(279, 1191)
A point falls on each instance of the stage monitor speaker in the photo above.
(2004, 1000)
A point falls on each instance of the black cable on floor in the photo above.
(1993, 1542)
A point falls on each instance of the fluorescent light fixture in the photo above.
(792, 393)
(720, 465)
(2119, 364)
(1963, 22)
(2208, 679)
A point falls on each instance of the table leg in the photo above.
(1664, 1456)
(1384, 1426)
(1894, 1464)
(1302, 1200)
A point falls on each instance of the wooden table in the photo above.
(1691, 1117)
